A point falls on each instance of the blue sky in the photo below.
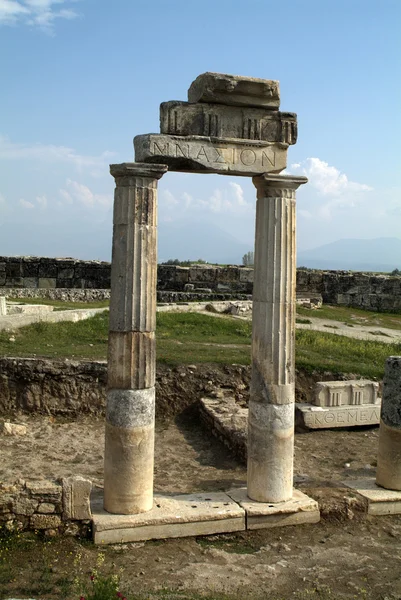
(79, 79)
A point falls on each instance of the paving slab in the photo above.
(171, 517)
(379, 500)
(260, 515)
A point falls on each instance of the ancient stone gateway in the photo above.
(232, 126)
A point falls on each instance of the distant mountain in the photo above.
(380, 254)
(194, 240)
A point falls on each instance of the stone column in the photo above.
(272, 395)
(3, 308)
(129, 444)
(388, 473)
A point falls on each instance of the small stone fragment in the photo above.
(12, 428)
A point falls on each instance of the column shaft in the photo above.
(388, 473)
(271, 406)
(129, 440)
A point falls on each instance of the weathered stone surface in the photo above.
(171, 516)
(207, 155)
(235, 90)
(355, 392)
(295, 511)
(228, 421)
(391, 404)
(3, 308)
(389, 453)
(217, 121)
(131, 360)
(76, 498)
(12, 428)
(379, 501)
(272, 393)
(45, 521)
(128, 469)
(131, 408)
(317, 417)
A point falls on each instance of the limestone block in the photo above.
(216, 120)
(379, 501)
(318, 417)
(30, 267)
(131, 360)
(25, 506)
(170, 516)
(46, 508)
(76, 498)
(208, 155)
(12, 429)
(295, 511)
(30, 282)
(46, 489)
(354, 392)
(235, 90)
(45, 521)
(3, 307)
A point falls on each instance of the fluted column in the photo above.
(130, 409)
(271, 406)
(388, 473)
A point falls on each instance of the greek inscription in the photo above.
(202, 154)
(180, 152)
(352, 415)
(219, 157)
(266, 157)
(329, 418)
(248, 157)
(161, 150)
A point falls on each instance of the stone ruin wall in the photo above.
(77, 280)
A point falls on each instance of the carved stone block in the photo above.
(235, 90)
(217, 120)
(350, 393)
(207, 155)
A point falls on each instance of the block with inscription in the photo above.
(235, 90)
(341, 404)
(209, 155)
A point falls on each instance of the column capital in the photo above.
(277, 186)
(122, 171)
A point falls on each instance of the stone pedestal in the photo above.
(388, 473)
(129, 444)
(272, 396)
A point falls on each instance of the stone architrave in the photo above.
(272, 394)
(130, 408)
(217, 120)
(388, 473)
(235, 90)
(196, 154)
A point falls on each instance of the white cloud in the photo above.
(52, 154)
(328, 180)
(78, 192)
(37, 13)
(42, 201)
(26, 204)
(228, 200)
(332, 185)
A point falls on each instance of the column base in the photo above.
(262, 515)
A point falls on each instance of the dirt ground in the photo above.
(347, 555)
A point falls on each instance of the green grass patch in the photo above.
(353, 316)
(187, 338)
(303, 321)
(323, 351)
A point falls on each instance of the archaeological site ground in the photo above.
(254, 451)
